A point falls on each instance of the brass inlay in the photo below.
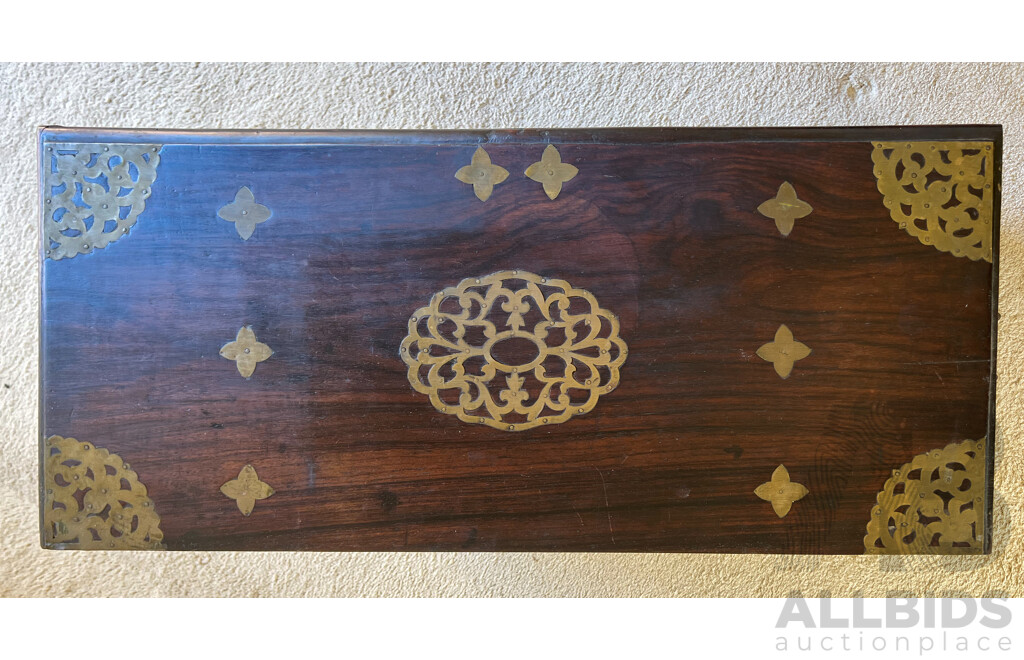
(785, 208)
(780, 491)
(246, 489)
(940, 192)
(482, 174)
(245, 213)
(934, 504)
(93, 500)
(246, 351)
(450, 350)
(783, 351)
(93, 193)
(551, 172)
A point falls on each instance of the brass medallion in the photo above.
(93, 194)
(940, 192)
(246, 489)
(245, 213)
(245, 351)
(783, 352)
(93, 500)
(780, 491)
(482, 174)
(934, 504)
(569, 353)
(551, 172)
(785, 208)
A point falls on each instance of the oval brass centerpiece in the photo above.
(513, 350)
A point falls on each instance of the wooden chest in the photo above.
(687, 340)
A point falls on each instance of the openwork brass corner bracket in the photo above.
(934, 504)
(94, 501)
(93, 194)
(573, 351)
(940, 192)
(781, 492)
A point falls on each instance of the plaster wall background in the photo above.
(485, 96)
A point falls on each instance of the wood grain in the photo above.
(663, 232)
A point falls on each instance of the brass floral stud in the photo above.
(780, 491)
(785, 208)
(482, 174)
(551, 172)
(246, 489)
(245, 213)
(783, 352)
(246, 351)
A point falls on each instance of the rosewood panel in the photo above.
(760, 342)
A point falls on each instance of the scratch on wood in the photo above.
(604, 487)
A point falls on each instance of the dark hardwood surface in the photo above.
(666, 235)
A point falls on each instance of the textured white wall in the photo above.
(483, 96)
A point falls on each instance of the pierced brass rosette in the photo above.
(93, 500)
(94, 193)
(940, 192)
(513, 351)
(933, 505)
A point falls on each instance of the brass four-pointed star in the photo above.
(246, 351)
(780, 491)
(551, 172)
(482, 174)
(246, 489)
(245, 213)
(784, 351)
(785, 208)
